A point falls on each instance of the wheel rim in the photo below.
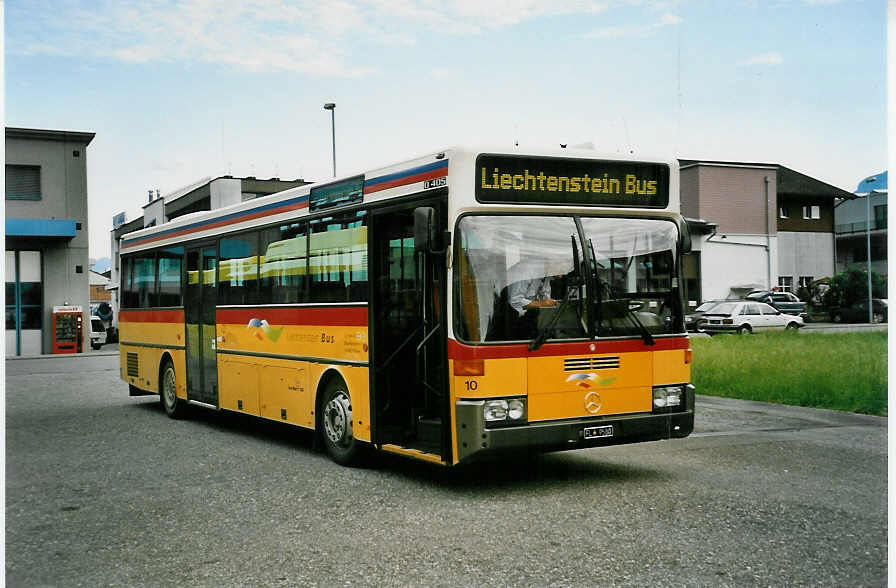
(169, 387)
(338, 419)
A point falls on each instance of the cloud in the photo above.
(326, 38)
(616, 32)
(771, 58)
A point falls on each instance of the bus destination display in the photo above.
(338, 193)
(506, 179)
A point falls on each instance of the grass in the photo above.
(840, 371)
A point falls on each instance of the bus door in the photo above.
(199, 312)
(405, 376)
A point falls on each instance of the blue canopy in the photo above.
(878, 184)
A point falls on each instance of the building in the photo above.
(851, 218)
(99, 291)
(46, 234)
(756, 226)
(205, 194)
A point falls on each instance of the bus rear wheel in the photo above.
(174, 406)
(336, 424)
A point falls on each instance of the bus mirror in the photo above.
(685, 236)
(425, 236)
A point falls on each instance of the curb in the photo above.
(63, 355)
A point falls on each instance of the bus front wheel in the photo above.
(174, 406)
(336, 424)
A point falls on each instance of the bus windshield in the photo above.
(528, 277)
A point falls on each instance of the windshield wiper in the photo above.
(574, 280)
(645, 334)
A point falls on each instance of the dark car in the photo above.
(694, 320)
(858, 312)
(784, 301)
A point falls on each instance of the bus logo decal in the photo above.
(586, 379)
(262, 328)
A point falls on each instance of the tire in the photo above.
(175, 407)
(836, 317)
(877, 318)
(792, 327)
(336, 424)
(96, 347)
(744, 330)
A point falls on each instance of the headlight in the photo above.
(667, 397)
(516, 410)
(504, 410)
(495, 410)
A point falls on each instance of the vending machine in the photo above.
(67, 329)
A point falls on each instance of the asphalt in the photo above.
(102, 489)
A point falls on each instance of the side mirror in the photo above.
(426, 232)
(424, 228)
(685, 234)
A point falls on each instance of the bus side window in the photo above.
(170, 276)
(337, 255)
(283, 264)
(144, 280)
(238, 269)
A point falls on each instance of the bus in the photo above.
(462, 305)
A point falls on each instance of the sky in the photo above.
(177, 90)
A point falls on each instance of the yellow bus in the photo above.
(457, 306)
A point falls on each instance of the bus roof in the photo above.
(389, 181)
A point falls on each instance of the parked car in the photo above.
(858, 312)
(746, 316)
(693, 321)
(97, 332)
(784, 301)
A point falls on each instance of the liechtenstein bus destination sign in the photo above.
(508, 179)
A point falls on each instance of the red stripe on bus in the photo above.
(460, 351)
(215, 225)
(437, 173)
(329, 316)
(151, 316)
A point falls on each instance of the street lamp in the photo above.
(868, 244)
(332, 108)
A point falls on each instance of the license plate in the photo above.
(598, 432)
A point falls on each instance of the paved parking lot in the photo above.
(103, 489)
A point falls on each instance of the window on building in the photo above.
(337, 255)
(23, 182)
(805, 281)
(284, 264)
(24, 302)
(170, 277)
(811, 212)
(785, 283)
(782, 212)
(238, 269)
(880, 216)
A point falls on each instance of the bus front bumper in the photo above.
(476, 441)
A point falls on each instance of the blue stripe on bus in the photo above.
(407, 172)
(223, 218)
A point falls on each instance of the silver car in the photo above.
(746, 317)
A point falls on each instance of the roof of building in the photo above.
(789, 182)
(98, 279)
(50, 135)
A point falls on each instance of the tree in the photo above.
(851, 286)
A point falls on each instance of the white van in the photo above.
(97, 332)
